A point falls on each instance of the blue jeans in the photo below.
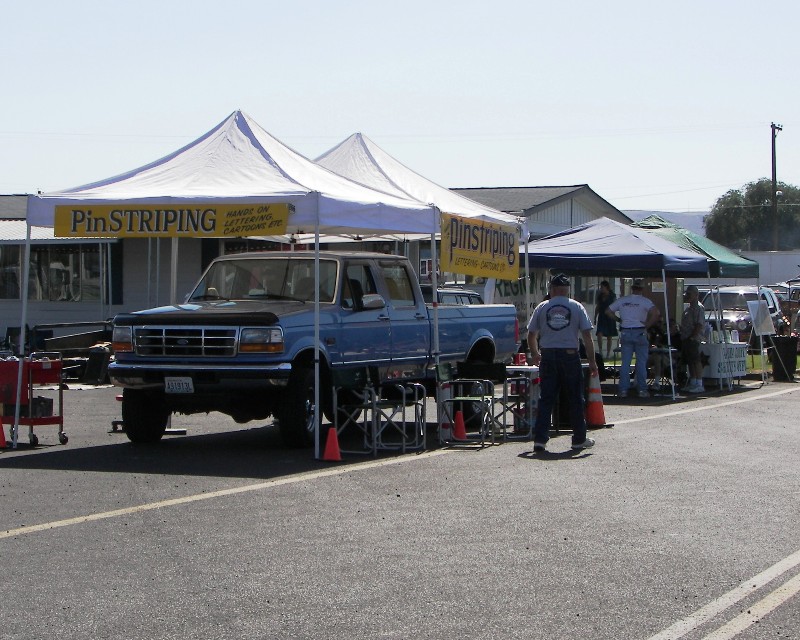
(560, 368)
(633, 341)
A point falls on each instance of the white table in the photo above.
(725, 360)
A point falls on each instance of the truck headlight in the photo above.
(261, 340)
(122, 339)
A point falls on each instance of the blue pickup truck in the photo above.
(243, 342)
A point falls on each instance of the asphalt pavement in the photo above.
(682, 522)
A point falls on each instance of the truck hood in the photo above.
(224, 312)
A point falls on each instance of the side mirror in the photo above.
(372, 301)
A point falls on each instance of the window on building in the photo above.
(9, 272)
(57, 273)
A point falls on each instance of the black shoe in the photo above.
(538, 447)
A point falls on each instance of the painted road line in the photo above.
(746, 588)
(706, 407)
(302, 477)
(757, 611)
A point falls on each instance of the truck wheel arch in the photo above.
(482, 351)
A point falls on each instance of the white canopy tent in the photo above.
(239, 162)
(361, 160)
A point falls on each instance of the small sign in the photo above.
(188, 220)
(477, 248)
(725, 359)
(762, 321)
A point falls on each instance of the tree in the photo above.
(742, 218)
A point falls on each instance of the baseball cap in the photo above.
(637, 284)
(559, 281)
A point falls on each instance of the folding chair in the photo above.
(379, 412)
(473, 398)
(353, 404)
(519, 401)
(508, 403)
(394, 403)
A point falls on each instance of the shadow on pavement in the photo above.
(248, 453)
(569, 454)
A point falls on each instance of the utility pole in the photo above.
(775, 128)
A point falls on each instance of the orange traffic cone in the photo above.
(332, 453)
(459, 429)
(595, 416)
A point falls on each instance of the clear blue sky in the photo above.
(655, 105)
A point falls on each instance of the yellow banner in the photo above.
(171, 221)
(476, 248)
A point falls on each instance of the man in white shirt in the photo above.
(636, 315)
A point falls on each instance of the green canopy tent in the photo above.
(722, 263)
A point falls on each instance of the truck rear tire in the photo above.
(296, 415)
(144, 415)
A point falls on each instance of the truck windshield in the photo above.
(736, 300)
(267, 278)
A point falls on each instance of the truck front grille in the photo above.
(185, 341)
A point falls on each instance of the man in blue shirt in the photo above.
(554, 331)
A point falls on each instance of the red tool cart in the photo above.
(38, 369)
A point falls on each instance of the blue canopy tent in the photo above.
(612, 248)
(609, 247)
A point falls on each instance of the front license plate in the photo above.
(178, 385)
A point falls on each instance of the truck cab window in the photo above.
(398, 283)
(358, 282)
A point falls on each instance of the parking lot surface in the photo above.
(680, 523)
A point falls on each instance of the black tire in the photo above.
(144, 415)
(296, 415)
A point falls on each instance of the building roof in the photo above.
(515, 199)
(526, 201)
(13, 206)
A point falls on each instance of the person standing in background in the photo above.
(606, 327)
(693, 324)
(636, 315)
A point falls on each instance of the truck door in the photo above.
(366, 333)
(410, 327)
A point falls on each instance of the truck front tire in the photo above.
(144, 415)
(296, 415)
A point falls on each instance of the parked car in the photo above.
(730, 303)
(451, 295)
